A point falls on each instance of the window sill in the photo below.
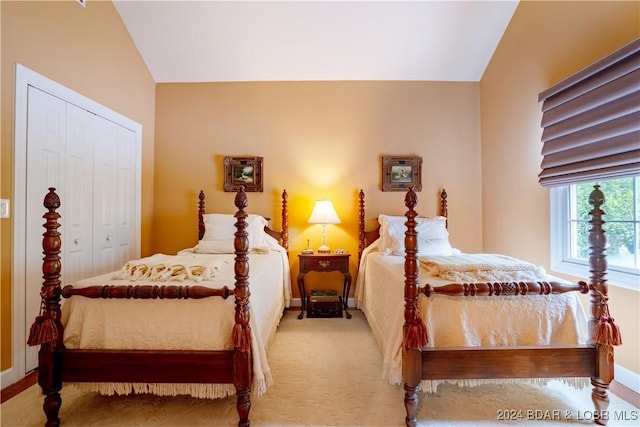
(614, 278)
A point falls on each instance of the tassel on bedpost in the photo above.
(415, 329)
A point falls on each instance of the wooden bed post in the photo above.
(242, 329)
(47, 330)
(602, 330)
(285, 220)
(360, 224)
(201, 227)
(444, 211)
(414, 329)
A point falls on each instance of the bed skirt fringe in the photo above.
(431, 386)
(199, 391)
(394, 374)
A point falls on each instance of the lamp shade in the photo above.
(324, 213)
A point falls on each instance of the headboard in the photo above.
(366, 237)
(281, 236)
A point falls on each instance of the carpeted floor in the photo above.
(327, 373)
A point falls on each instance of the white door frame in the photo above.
(25, 78)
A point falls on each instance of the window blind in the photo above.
(591, 122)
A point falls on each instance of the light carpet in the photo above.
(327, 372)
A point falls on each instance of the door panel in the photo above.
(78, 219)
(105, 192)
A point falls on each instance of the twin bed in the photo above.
(477, 318)
(165, 324)
(511, 322)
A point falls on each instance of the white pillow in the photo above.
(222, 227)
(387, 237)
(226, 246)
(433, 237)
(215, 247)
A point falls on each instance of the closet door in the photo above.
(46, 148)
(91, 155)
(60, 155)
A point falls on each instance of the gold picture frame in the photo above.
(400, 173)
(245, 171)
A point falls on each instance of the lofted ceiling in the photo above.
(295, 40)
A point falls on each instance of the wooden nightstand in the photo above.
(323, 263)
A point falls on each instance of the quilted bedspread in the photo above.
(461, 322)
(200, 324)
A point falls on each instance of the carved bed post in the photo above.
(201, 227)
(414, 329)
(602, 330)
(47, 331)
(285, 220)
(360, 224)
(444, 211)
(242, 329)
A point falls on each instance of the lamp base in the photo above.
(324, 249)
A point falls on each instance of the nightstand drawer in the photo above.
(324, 263)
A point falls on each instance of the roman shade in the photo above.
(591, 122)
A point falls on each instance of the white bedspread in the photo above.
(203, 324)
(460, 322)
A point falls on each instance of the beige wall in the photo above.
(544, 43)
(89, 51)
(318, 140)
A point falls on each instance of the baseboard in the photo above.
(626, 385)
(8, 377)
(19, 386)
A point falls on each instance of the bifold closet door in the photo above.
(60, 155)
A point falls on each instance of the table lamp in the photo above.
(324, 213)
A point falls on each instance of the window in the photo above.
(570, 230)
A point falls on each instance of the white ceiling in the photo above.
(214, 41)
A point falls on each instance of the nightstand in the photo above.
(323, 263)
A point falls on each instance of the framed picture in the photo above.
(400, 173)
(245, 171)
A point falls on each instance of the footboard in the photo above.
(58, 364)
(593, 360)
